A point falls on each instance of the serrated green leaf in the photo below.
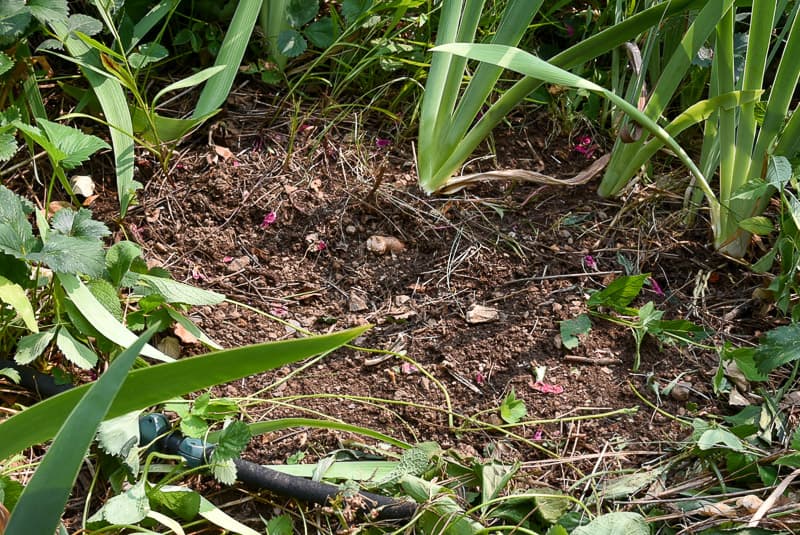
(280, 525)
(232, 441)
(84, 24)
(14, 18)
(778, 347)
(291, 43)
(119, 259)
(300, 12)
(6, 64)
(177, 292)
(15, 296)
(78, 224)
(47, 11)
(512, 410)
(353, 9)
(224, 471)
(8, 146)
(322, 33)
(130, 507)
(759, 225)
(119, 435)
(76, 146)
(66, 254)
(31, 346)
(107, 296)
(571, 328)
(193, 426)
(75, 351)
(16, 233)
(617, 523)
(620, 292)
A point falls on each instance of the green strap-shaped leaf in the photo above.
(100, 318)
(153, 385)
(230, 56)
(42, 502)
(115, 108)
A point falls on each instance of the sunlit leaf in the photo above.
(76, 146)
(620, 292)
(14, 295)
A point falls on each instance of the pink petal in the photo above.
(479, 378)
(269, 219)
(538, 434)
(547, 388)
(227, 259)
(656, 287)
(407, 368)
(321, 245)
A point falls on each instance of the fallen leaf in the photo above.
(224, 152)
(185, 336)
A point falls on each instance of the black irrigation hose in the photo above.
(370, 505)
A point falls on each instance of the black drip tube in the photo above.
(369, 505)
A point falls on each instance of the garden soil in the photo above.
(324, 228)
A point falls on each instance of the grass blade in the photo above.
(42, 502)
(151, 386)
(230, 57)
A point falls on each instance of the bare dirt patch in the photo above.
(288, 234)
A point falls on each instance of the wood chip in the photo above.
(356, 303)
(481, 314)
